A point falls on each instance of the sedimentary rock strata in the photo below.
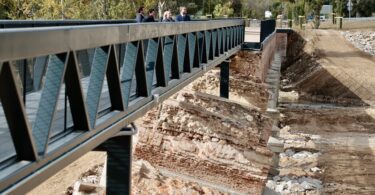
(209, 138)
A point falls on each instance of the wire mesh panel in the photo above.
(7, 149)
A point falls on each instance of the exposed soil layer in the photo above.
(146, 179)
(245, 87)
(328, 68)
(325, 140)
(345, 141)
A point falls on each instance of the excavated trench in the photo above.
(326, 124)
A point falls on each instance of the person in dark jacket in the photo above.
(183, 15)
(140, 15)
(167, 16)
(151, 16)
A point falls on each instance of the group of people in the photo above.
(167, 16)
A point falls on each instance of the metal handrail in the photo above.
(33, 42)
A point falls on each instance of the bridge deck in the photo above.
(252, 34)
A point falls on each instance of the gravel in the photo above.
(286, 185)
(293, 184)
(363, 40)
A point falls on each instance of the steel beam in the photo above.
(161, 74)
(52, 40)
(224, 79)
(73, 89)
(113, 80)
(16, 116)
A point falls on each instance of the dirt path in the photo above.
(351, 67)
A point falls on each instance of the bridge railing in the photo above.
(49, 23)
(65, 90)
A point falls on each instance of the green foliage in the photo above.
(224, 10)
(237, 7)
(316, 6)
(290, 8)
(255, 8)
(276, 9)
(306, 8)
(126, 9)
(339, 6)
(8, 8)
(364, 8)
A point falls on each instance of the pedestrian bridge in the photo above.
(67, 88)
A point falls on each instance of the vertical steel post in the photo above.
(119, 161)
(224, 79)
(119, 158)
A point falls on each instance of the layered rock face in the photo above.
(148, 180)
(208, 138)
(332, 148)
(245, 87)
(323, 67)
(211, 140)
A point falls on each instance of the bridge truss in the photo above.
(71, 89)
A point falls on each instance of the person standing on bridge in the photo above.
(151, 16)
(140, 15)
(167, 16)
(183, 15)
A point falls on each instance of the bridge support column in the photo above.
(119, 162)
(224, 79)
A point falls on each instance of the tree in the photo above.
(237, 7)
(339, 6)
(8, 9)
(105, 9)
(316, 6)
(223, 10)
(364, 8)
(255, 8)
